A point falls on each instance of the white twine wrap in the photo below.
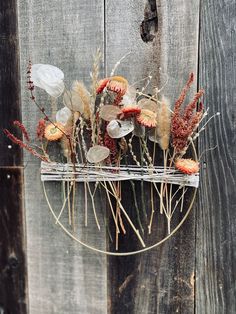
(95, 173)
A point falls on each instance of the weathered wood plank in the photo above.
(216, 217)
(13, 278)
(9, 81)
(63, 277)
(13, 281)
(161, 280)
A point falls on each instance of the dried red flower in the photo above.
(187, 166)
(184, 124)
(101, 85)
(129, 112)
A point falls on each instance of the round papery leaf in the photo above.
(149, 104)
(109, 112)
(49, 78)
(73, 101)
(152, 136)
(97, 154)
(130, 96)
(139, 130)
(118, 128)
(63, 115)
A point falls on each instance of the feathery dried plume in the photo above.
(95, 72)
(163, 124)
(17, 141)
(23, 129)
(182, 96)
(82, 91)
(184, 125)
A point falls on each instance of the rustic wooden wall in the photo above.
(194, 271)
(216, 215)
(13, 281)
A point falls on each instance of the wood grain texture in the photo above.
(9, 81)
(161, 280)
(216, 216)
(13, 277)
(63, 277)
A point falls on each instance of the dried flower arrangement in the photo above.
(111, 134)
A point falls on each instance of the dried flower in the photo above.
(187, 166)
(23, 129)
(147, 118)
(41, 129)
(117, 84)
(129, 112)
(101, 85)
(54, 132)
(49, 78)
(184, 124)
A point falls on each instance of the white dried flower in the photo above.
(49, 78)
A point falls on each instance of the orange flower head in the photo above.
(187, 166)
(54, 132)
(147, 118)
(129, 111)
(102, 84)
(118, 84)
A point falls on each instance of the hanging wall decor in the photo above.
(116, 154)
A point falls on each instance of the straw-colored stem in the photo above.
(127, 216)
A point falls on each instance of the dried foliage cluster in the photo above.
(110, 125)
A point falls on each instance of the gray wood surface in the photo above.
(161, 280)
(194, 271)
(63, 277)
(216, 215)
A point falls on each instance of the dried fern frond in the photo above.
(81, 90)
(163, 124)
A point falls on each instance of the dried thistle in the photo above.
(163, 124)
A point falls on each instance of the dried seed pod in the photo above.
(148, 104)
(118, 128)
(63, 115)
(73, 101)
(97, 154)
(109, 112)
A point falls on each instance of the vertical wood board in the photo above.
(216, 217)
(161, 280)
(63, 276)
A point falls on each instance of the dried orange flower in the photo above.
(129, 111)
(102, 84)
(147, 118)
(187, 166)
(118, 84)
(54, 132)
